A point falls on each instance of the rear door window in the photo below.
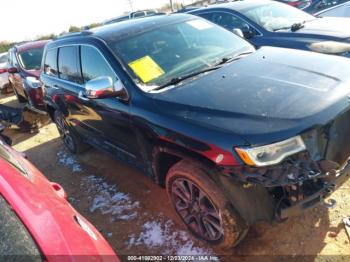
(227, 21)
(50, 65)
(68, 64)
(94, 65)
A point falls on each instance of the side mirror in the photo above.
(103, 87)
(238, 32)
(12, 70)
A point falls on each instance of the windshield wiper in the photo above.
(297, 26)
(294, 27)
(218, 65)
(179, 79)
(232, 58)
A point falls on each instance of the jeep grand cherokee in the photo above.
(235, 135)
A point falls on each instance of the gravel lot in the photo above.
(135, 215)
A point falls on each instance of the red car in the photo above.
(37, 220)
(24, 63)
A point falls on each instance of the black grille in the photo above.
(338, 146)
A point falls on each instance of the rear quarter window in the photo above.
(16, 243)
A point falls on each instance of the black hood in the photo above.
(271, 94)
(330, 27)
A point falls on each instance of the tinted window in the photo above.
(31, 59)
(227, 20)
(275, 16)
(67, 64)
(139, 14)
(151, 12)
(15, 238)
(12, 59)
(93, 64)
(50, 66)
(341, 11)
(3, 58)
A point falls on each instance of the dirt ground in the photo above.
(136, 218)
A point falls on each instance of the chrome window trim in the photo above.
(82, 85)
(104, 58)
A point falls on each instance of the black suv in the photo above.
(235, 135)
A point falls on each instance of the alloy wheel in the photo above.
(197, 210)
(64, 132)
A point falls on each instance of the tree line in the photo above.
(5, 45)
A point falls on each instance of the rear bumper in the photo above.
(331, 182)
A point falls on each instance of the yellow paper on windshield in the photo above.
(146, 68)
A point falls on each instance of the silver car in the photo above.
(4, 78)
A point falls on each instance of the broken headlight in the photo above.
(271, 154)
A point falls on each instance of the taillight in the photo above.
(3, 70)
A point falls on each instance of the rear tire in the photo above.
(72, 141)
(203, 207)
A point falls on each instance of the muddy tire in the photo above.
(71, 140)
(203, 207)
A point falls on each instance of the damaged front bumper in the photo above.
(273, 194)
(299, 182)
(330, 183)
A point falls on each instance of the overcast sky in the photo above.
(27, 19)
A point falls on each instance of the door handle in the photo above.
(82, 96)
(55, 87)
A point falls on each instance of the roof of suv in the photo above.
(31, 45)
(129, 27)
(136, 26)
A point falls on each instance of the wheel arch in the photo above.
(252, 203)
(165, 155)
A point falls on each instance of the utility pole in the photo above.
(171, 6)
(131, 7)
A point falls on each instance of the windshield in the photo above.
(275, 16)
(171, 51)
(31, 59)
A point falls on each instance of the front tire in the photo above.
(72, 142)
(203, 207)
